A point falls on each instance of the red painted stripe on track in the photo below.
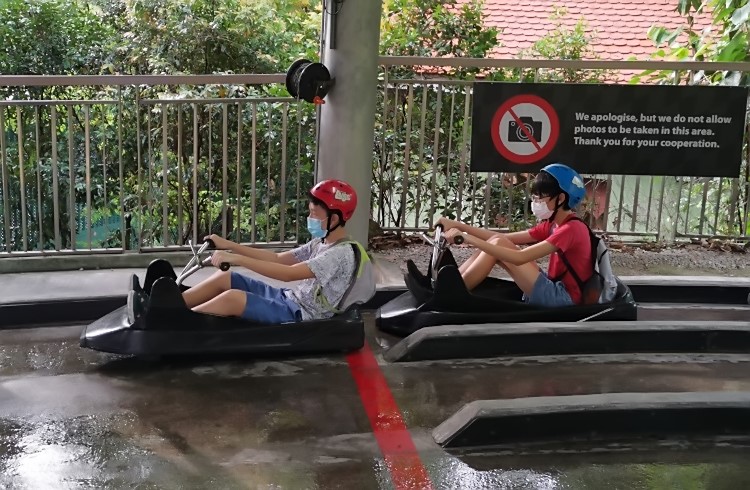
(400, 454)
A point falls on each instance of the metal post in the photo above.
(346, 135)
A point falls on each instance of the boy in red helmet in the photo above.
(325, 270)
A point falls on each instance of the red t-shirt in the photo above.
(572, 237)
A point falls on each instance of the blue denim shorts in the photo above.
(548, 293)
(265, 303)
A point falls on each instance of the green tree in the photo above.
(208, 36)
(563, 43)
(45, 37)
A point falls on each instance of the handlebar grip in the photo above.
(439, 226)
(458, 239)
(224, 266)
(210, 243)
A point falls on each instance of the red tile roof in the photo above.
(620, 27)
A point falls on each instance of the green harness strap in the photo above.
(363, 259)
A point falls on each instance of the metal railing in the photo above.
(146, 163)
(422, 153)
(104, 164)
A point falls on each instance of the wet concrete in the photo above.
(74, 418)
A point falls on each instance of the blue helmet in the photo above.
(569, 181)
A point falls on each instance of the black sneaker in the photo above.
(417, 275)
(137, 305)
(134, 284)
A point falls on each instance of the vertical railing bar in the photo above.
(703, 207)
(396, 134)
(661, 208)
(149, 206)
(527, 195)
(511, 193)
(105, 202)
(474, 182)
(464, 155)
(422, 124)
(435, 148)
(383, 150)
(268, 171)
(677, 205)
(139, 152)
(733, 215)
(299, 164)
(623, 178)
(238, 176)
(407, 155)
(123, 241)
(689, 199)
(634, 217)
(209, 218)
(39, 207)
(224, 166)
(196, 159)
(282, 205)
(180, 224)
(253, 163)
(164, 175)
(72, 181)
(55, 177)
(5, 174)
(648, 207)
(448, 159)
(718, 205)
(487, 197)
(87, 146)
(22, 175)
(607, 199)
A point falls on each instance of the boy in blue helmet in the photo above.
(556, 192)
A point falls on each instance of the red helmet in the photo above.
(337, 195)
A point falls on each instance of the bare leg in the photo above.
(208, 289)
(463, 267)
(524, 275)
(228, 303)
(471, 260)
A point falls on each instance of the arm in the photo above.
(287, 258)
(254, 253)
(274, 270)
(512, 255)
(518, 237)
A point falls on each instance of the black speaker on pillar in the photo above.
(308, 81)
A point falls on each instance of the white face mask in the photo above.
(540, 210)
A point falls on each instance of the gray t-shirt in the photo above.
(333, 267)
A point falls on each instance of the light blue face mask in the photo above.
(315, 227)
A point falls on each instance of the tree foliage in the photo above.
(564, 43)
(51, 37)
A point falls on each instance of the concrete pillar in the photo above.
(347, 119)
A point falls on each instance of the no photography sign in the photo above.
(613, 129)
(525, 129)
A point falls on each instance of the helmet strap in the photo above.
(557, 207)
(329, 229)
